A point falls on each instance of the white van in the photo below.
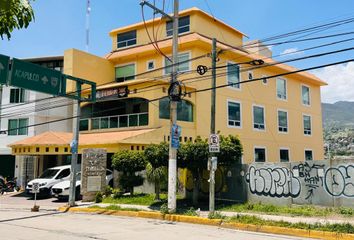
(48, 179)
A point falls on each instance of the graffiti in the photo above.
(339, 181)
(274, 182)
(310, 175)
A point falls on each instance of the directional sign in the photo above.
(34, 77)
(4, 68)
(214, 143)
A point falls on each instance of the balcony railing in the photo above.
(117, 121)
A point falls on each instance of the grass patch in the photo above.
(115, 207)
(137, 199)
(340, 228)
(293, 211)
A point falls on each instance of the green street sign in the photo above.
(34, 77)
(4, 68)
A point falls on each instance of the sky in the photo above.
(60, 25)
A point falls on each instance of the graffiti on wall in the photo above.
(280, 181)
(273, 182)
(312, 175)
(339, 181)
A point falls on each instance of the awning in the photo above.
(58, 143)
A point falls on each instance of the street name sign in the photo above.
(34, 77)
(4, 68)
(214, 143)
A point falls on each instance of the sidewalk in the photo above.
(291, 219)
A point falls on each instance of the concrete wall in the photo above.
(326, 183)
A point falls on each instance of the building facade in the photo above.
(278, 119)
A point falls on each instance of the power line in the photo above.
(196, 91)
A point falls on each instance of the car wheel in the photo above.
(110, 183)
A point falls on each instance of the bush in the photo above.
(216, 215)
(164, 208)
(98, 197)
(107, 191)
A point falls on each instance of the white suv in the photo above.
(48, 179)
(61, 189)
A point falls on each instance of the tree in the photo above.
(230, 150)
(194, 156)
(157, 157)
(129, 162)
(14, 14)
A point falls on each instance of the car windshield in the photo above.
(49, 173)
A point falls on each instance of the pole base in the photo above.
(35, 208)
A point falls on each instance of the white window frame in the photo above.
(266, 78)
(126, 64)
(127, 46)
(254, 153)
(234, 87)
(147, 65)
(227, 108)
(284, 148)
(180, 53)
(302, 101)
(303, 125)
(287, 120)
(286, 89)
(308, 149)
(264, 117)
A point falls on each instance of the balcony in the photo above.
(116, 121)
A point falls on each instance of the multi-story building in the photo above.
(277, 119)
(21, 108)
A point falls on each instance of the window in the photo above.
(258, 118)
(17, 95)
(284, 155)
(18, 126)
(126, 39)
(259, 154)
(150, 65)
(307, 124)
(233, 75)
(184, 110)
(183, 63)
(282, 121)
(124, 73)
(308, 155)
(305, 92)
(183, 26)
(63, 174)
(234, 114)
(281, 89)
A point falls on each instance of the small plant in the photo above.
(346, 211)
(164, 209)
(216, 215)
(191, 212)
(98, 197)
(116, 193)
(107, 191)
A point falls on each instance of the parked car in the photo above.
(48, 179)
(61, 190)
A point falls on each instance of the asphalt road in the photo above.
(21, 224)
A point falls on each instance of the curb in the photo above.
(215, 222)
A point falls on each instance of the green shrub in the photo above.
(98, 197)
(191, 212)
(107, 191)
(216, 215)
(164, 208)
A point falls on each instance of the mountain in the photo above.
(339, 114)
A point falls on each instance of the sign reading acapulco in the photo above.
(31, 76)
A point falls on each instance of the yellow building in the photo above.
(277, 119)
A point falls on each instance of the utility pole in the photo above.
(75, 148)
(212, 128)
(172, 163)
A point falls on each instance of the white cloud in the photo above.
(291, 51)
(340, 79)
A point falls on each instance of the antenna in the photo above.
(88, 10)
